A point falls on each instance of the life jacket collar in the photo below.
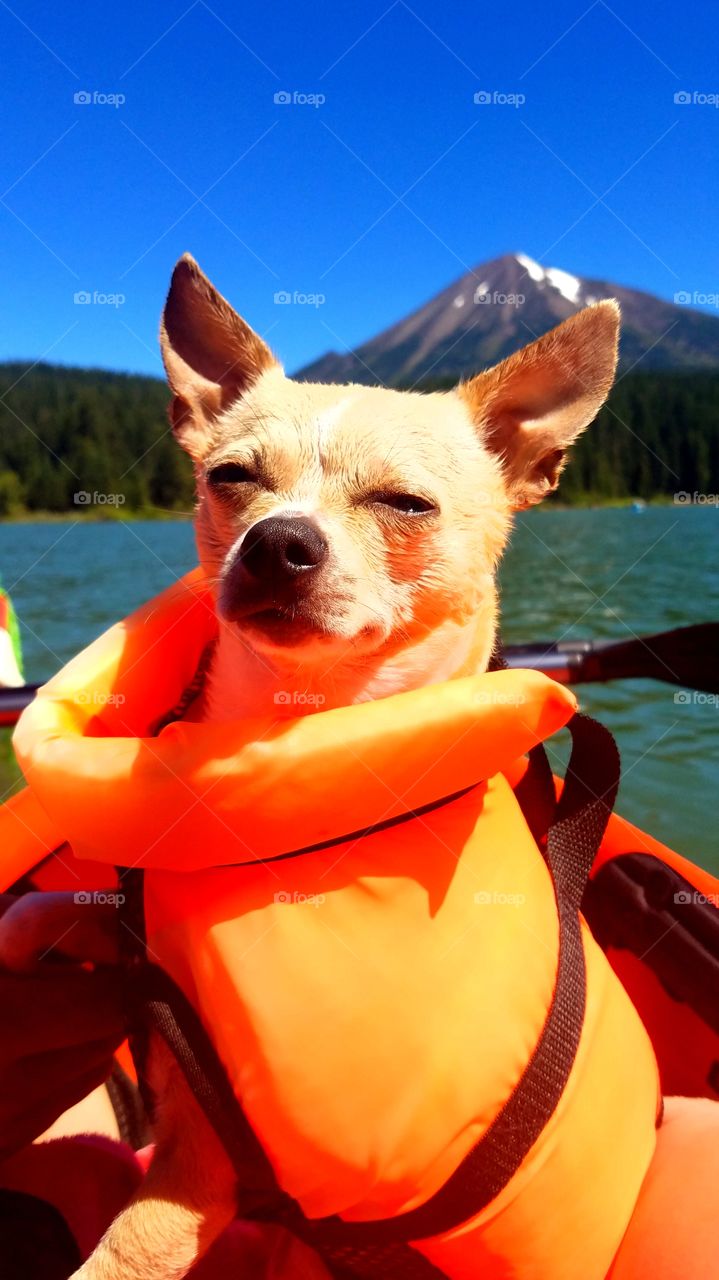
(201, 795)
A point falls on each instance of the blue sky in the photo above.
(375, 198)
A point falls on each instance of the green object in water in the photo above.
(9, 623)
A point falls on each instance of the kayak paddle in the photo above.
(13, 701)
(687, 656)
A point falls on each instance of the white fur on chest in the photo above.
(243, 684)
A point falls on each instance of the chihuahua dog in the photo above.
(352, 535)
(353, 532)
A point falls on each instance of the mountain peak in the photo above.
(568, 285)
(493, 310)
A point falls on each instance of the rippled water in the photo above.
(585, 574)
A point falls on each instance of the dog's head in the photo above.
(351, 520)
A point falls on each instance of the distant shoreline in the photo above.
(101, 515)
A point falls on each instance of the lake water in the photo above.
(577, 574)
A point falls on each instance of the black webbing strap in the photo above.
(168, 1011)
(127, 1105)
(378, 1248)
(377, 1262)
(536, 795)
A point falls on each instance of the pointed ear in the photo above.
(530, 408)
(210, 355)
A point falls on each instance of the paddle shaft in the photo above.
(13, 701)
(685, 656)
(571, 667)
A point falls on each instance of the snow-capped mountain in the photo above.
(503, 304)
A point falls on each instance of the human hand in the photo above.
(61, 1014)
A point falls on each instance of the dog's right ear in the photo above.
(530, 408)
(211, 356)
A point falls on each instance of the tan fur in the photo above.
(394, 599)
(402, 600)
(213, 355)
(530, 408)
(185, 1201)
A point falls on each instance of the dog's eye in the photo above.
(229, 473)
(410, 504)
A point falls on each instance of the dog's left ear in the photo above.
(530, 408)
(210, 355)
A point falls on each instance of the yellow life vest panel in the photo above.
(354, 904)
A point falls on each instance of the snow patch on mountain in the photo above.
(568, 285)
(532, 268)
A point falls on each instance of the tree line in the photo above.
(65, 432)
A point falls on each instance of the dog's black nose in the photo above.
(282, 548)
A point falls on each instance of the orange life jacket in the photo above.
(355, 905)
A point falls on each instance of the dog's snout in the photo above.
(281, 548)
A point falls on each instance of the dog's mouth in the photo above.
(297, 626)
(284, 625)
(308, 613)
